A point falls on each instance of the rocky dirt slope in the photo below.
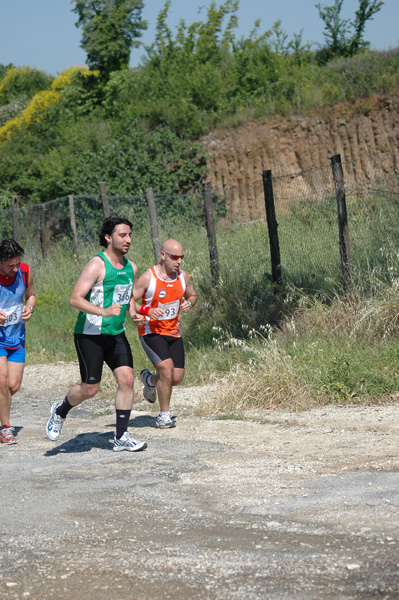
(291, 144)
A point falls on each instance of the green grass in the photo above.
(231, 417)
(309, 346)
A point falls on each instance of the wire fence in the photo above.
(306, 212)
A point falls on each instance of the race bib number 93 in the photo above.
(170, 310)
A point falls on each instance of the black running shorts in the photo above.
(160, 347)
(94, 350)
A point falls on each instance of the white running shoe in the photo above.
(165, 422)
(55, 423)
(149, 391)
(127, 442)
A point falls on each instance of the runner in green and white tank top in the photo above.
(103, 295)
(115, 288)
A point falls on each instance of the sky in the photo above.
(42, 33)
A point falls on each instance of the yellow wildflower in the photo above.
(40, 102)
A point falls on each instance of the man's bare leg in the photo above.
(167, 377)
(125, 391)
(10, 380)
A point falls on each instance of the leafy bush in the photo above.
(22, 81)
(38, 108)
(360, 76)
(129, 157)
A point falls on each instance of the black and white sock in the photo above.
(122, 422)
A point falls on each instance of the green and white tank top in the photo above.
(115, 288)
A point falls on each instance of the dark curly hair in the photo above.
(9, 249)
(109, 226)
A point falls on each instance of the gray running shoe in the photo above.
(127, 442)
(149, 391)
(165, 422)
(55, 423)
(7, 435)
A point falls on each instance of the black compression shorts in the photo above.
(94, 350)
(160, 347)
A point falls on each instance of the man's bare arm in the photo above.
(134, 308)
(140, 288)
(93, 272)
(30, 298)
(190, 295)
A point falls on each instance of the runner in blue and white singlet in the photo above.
(16, 283)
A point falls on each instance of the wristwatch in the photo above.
(31, 308)
(188, 302)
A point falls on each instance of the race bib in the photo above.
(170, 310)
(122, 294)
(14, 315)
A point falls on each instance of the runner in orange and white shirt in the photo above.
(166, 291)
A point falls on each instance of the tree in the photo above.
(110, 29)
(367, 10)
(340, 41)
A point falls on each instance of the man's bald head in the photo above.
(172, 247)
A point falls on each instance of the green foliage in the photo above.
(127, 126)
(190, 79)
(343, 370)
(17, 87)
(80, 98)
(129, 157)
(22, 81)
(4, 69)
(18, 157)
(339, 39)
(360, 76)
(126, 155)
(202, 77)
(110, 29)
(318, 355)
(182, 79)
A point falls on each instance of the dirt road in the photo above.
(287, 506)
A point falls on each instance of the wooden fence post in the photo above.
(272, 228)
(104, 199)
(344, 248)
(210, 229)
(43, 239)
(152, 213)
(15, 225)
(73, 227)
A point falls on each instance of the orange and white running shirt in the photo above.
(168, 296)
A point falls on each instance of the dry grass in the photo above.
(316, 317)
(343, 351)
(379, 319)
(269, 381)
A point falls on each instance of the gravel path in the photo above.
(279, 506)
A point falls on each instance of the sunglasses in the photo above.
(174, 256)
